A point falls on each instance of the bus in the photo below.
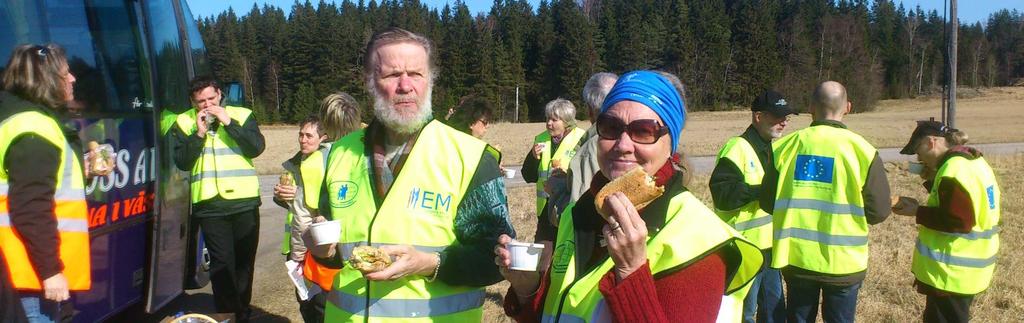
(133, 60)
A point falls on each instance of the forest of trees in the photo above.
(725, 51)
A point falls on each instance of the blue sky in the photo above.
(970, 10)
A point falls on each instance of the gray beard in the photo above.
(395, 121)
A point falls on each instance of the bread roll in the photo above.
(635, 184)
(368, 259)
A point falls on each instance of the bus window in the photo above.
(172, 84)
(195, 42)
(101, 45)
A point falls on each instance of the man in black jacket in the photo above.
(217, 144)
(735, 188)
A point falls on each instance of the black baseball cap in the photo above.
(924, 128)
(772, 102)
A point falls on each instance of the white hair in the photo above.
(385, 111)
(561, 109)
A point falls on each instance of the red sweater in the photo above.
(691, 294)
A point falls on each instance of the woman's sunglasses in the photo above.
(42, 51)
(642, 131)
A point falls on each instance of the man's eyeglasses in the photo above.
(642, 131)
(776, 119)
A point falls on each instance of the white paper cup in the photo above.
(915, 168)
(510, 173)
(326, 232)
(525, 256)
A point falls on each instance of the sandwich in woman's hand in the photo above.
(635, 184)
(368, 259)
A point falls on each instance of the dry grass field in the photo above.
(994, 116)
(888, 294)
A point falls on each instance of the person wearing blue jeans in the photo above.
(38, 309)
(827, 186)
(764, 302)
(838, 301)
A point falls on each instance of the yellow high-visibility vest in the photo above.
(69, 207)
(819, 222)
(221, 169)
(309, 176)
(566, 149)
(962, 263)
(691, 231)
(755, 224)
(419, 210)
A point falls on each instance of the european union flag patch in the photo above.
(814, 168)
(991, 190)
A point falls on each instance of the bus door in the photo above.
(173, 238)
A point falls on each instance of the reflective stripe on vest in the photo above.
(755, 224)
(419, 210)
(221, 170)
(566, 150)
(819, 222)
(962, 263)
(574, 297)
(408, 308)
(70, 207)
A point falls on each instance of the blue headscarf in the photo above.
(655, 92)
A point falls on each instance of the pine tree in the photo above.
(754, 49)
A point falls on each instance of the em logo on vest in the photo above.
(343, 194)
(813, 168)
(433, 202)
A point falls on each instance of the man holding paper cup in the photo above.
(428, 196)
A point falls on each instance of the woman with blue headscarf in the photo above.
(672, 260)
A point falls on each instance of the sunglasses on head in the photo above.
(42, 51)
(642, 131)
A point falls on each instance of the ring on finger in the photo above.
(614, 226)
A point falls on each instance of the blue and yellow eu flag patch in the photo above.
(814, 168)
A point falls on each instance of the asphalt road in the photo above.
(269, 263)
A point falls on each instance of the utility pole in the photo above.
(954, 27)
(517, 105)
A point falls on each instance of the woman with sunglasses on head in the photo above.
(957, 227)
(45, 239)
(671, 261)
(552, 150)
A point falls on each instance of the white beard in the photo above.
(402, 124)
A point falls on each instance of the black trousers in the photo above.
(232, 241)
(947, 309)
(312, 309)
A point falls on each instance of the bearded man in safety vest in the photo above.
(428, 195)
(827, 185)
(735, 189)
(217, 144)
